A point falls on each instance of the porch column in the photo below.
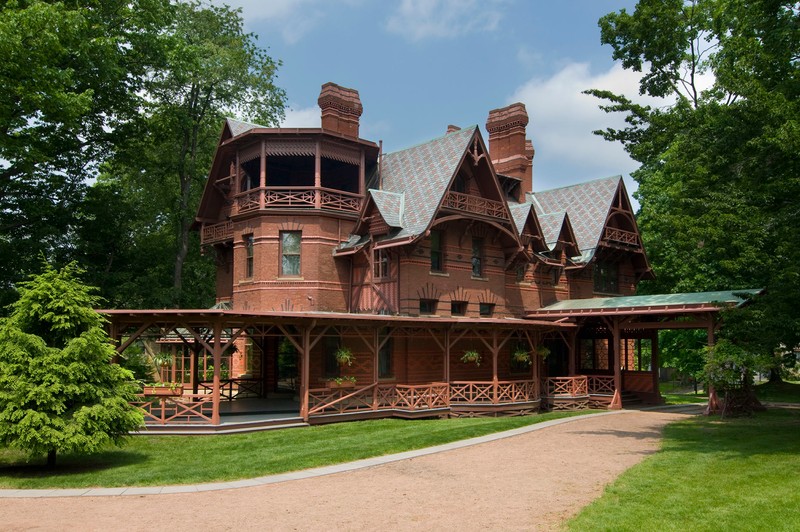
(305, 373)
(317, 177)
(217, 354)
(654, 365)
(262, 176)
(616, 401)
(572, 349)
(713, 401)
(495, 349)
(447, 356)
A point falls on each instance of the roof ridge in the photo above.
(424, 143)
(583, 183)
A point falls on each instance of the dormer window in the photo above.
(606, 278)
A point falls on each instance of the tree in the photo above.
(71, 73)
(59, 391)
(212, 68)
(718, 182)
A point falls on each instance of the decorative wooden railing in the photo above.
(621, 236)
(220, 232)
(475, 204)
(186, 408)
(298, 197)
(474, 392)
(566, 386)
(377, 397)
(232, 388)
(600, 385)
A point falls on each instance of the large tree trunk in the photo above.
(51, 458)
(775, 376)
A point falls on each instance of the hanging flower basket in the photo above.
(542, 351)
(344, 357)
(521, 357)
(471, 357)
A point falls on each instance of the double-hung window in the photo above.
(290, 253)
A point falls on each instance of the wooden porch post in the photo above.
(317, 177)
(616, 401)
(447, 356)
(654, 365)
(217, 354)
(376, 348)
(713, 401)
(495, 349)
(262, 176)
(572, 349)
(305, 373)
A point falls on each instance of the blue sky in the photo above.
(420, 65)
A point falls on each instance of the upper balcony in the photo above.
(296, 197)
(458, 201)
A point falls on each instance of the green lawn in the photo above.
(684, 398)
(736, 474)
(163, 460)
(782, 392)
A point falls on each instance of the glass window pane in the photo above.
(291, 242)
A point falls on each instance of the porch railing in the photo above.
(576, 386)
(600, 385)
(476, 392)
(377, 397)
(186, 408)
(298, 197)
(475, 204)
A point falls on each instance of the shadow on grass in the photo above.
(780, 392)
(774, 433)
(71, 464)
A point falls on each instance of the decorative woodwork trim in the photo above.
(341, 153)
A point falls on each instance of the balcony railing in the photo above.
(220, 232)
(621, 236)
(298, 198)
(475, 204)
(566, 386)
(378, 398)
(476, 392)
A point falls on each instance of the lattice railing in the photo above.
(475, 204)
(600, 385)
(566, 386)
(217, 233)
(621, 236)
(290, 197)
(476, 392)
(248, 201)
(232, 388)
(187, 408)
(340, 201)
(378, 397)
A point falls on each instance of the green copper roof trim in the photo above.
(656, 300)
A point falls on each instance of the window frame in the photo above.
(283, 254)
(486, 310)
(477, 260)
(605, 278)
(437, 252)
(458, 308)
(380, 264)
(249, 255)
(432, 305)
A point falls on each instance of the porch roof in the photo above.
(232, 318)
(649, 304)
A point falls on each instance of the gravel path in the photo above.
(532, 481)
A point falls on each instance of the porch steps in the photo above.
(631, 400)
(227, 427)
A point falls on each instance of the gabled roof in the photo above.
(587, 204)
(551, 226)
(523, 216)
(237, 127)
(421, 176)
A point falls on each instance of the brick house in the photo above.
(410, 260)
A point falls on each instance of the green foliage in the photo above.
(718, 182)
(344, 356)
(59, 391)
(471, 357)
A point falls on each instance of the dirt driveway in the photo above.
(532, 481)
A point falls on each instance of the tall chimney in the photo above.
(511, 152)
(341, 109)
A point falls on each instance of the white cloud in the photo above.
(562, 119)
(417, 20)
(303, 117)
(295, 18)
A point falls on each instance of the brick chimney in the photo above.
(511, 152)
(341, 109)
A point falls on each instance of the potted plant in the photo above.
(521, 356)
(542, 351)
(471, 357)
(344, 357)
(341, 382)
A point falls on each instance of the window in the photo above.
(594, 353)
(330, 346)
(605, 278)
(437, 255)
(385, 356)
(458, 308)
(459, 185)
(477, 257)
(637, 354)
(486, 310)
(427, 306)
(380, 265)
(521, 271)
(248, 246)
(290, 253)
(556, 276)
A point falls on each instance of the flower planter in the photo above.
(163, 391)
(343, 384)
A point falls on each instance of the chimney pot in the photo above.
(510, 151)
(341, 108)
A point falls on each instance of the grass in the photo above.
(736, 474)
(167, 460)
(781, 392)
(684, 398)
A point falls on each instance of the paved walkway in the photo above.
(529, 478)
